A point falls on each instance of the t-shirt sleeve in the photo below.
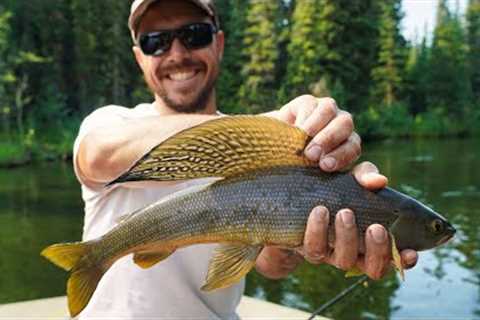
(105, 117)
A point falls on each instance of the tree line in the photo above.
(61, 59)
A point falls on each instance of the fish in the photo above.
(250, 203)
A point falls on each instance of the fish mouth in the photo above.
(450, 233)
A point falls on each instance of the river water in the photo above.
(41, 204)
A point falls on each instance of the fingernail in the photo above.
(370, 175)
(315, 258)
(410, 258)
(320, 215)
(378, 235)
(347, 218)
(329, 163)
(314, 153)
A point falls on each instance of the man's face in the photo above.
(182, 78)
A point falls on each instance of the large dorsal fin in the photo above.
(223, 147)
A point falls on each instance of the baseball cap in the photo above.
(139, 7)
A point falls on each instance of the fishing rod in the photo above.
(338, 297)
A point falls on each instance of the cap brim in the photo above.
(142, 6)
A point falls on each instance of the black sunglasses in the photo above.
(192, 36)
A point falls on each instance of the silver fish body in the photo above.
(271, 207)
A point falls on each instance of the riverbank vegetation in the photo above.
(61, 59)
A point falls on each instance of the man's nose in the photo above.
(178, 50)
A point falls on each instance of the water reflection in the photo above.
(41, 205)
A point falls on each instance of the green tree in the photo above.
(15, 90)
(332, 50)
(449, 81)
(6, 75)
(232, 15)
(261, 41)
(105, 69)
(473, 24)
(387, 74)
(304, 49)
(349, 33)
(31, 32)
(417, 78)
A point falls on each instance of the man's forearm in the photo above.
(106, 153)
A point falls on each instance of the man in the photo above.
(179, 49)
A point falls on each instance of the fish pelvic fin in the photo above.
(84, 277)
(223, 147)
(146, 260)
(354, 272)
(80, 287)
(397, 260)
(66, 255)
(229, 264)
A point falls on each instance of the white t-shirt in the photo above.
(171, 288)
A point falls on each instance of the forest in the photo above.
(61, 59)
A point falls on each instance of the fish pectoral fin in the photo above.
(229, 264)
(397, 260)
(147, 259)
(354, 272)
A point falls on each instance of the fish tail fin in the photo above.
(81, 286)
(66, 255)
(84, 277)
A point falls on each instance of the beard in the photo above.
(197, 103)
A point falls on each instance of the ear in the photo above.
(220, 44)
(139, 56)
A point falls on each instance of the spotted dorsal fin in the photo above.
(222, 147)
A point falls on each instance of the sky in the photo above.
(420, 16)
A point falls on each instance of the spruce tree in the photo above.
(417, 70)
(449, 81)
(473, 24)
(331, 49)
(5, 72)
(387, 74)
(232, 15)
(109, 77)
(349, 37)
(304, 49)
(260, 41)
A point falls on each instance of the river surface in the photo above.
(41, 204)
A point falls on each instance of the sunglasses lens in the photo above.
(193, 36)
(155, 43)
(197, 35)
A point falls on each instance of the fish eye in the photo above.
(437, 226)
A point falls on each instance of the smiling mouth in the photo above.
(182, 75)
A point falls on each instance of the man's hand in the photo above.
(278, 263)
(335, 145)
(377, 258)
